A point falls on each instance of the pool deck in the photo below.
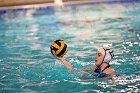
(8, 4)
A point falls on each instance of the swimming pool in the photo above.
(26, 63)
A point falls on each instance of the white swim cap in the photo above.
(107, 53)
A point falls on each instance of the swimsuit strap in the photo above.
(97, 70)
(105, 68)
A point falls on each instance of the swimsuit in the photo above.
(99, 73)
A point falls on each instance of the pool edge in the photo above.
(45, 4)
(69, 3)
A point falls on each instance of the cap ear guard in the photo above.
(108, 55)
(110, 52)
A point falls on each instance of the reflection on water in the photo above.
(28, 66)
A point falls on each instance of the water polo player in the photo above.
(101, 68)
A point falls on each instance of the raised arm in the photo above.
(66, 64)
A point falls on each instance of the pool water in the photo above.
(27, 65)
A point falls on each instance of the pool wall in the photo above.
(6, 5)
(22, 2)
(16, 4)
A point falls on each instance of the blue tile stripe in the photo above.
(74, 4)
(104, 2)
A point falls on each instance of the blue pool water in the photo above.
(26, 63)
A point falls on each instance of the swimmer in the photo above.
(101, 68)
